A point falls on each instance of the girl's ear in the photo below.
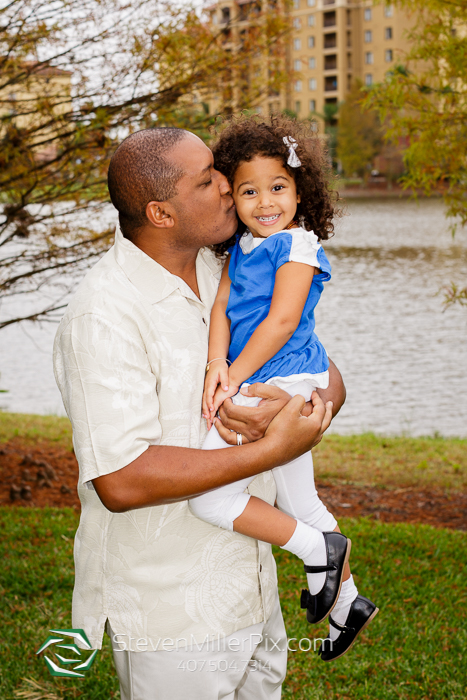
(299, 199)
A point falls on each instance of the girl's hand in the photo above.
(221, 395)
(216, 376)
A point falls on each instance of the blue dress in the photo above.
(252, 270)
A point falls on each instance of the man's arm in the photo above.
(164, 474)
(336, 390)
(252, 423)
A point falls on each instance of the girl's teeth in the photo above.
(268, 218)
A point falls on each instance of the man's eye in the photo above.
(206, 184)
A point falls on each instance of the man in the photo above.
(130, 355)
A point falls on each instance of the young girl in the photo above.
(262, 330)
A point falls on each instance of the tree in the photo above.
(359, 135)
(76, 76)
(424, 102)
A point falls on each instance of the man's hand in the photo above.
(252, 423)
(307, 431)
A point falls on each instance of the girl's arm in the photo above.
(219, 340)
(291, 289)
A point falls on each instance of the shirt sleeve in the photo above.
(110, 394)
(307, 249)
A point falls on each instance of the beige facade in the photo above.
(332, 43)
(48, 86)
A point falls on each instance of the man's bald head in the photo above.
(140, 172)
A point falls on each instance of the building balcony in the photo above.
(330, 62)
(330, 83)
(330, 41)
(329, 20)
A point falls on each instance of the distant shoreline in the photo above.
(377, 192)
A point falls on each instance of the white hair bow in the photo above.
(293, 160)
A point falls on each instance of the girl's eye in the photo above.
(277, 188)
(250, 192)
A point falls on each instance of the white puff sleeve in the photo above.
(307, 249)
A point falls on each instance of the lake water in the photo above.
(381, 319)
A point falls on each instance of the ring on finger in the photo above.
(239, 439)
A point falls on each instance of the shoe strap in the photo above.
(319, 569)
(342, 628)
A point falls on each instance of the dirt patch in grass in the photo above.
(395, 505)
(46, 474)
(41, 475)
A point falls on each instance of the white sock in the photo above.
(346, 597)
(308, 544)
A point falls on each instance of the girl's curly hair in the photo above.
(242, 138)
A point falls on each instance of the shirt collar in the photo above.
(154, 281)
(248, 242)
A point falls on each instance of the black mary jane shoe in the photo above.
(320, 605)
(361, 613)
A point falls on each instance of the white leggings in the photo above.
(295, 484)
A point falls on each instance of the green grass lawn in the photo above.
(32, 428)
(413, 650)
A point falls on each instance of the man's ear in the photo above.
(160, 215)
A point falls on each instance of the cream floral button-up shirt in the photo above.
(129, 360)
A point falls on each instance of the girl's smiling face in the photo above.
(265, 195)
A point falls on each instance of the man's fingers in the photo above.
(327, 416)
(319, 408)
(295, 405)
(229, 436)
(264, 391)
(227, 414)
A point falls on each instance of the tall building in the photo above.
(332, 43)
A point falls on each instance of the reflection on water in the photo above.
(381, 319)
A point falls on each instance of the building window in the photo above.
(312, 105)
(297, 44)
(311, 62)
(298, 107)
(368, 57)
(311, 3)
(311, 20)
(388, 10)
(312, 84)
(388, 33)
(368, 79)
(388, 55)
(367, 14)
(297, 22)
(298, 86)
(368, 36)
(225, 19)
(311, 42)
(297, 64)
(296, 4)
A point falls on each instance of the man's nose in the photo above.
(224, 187)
